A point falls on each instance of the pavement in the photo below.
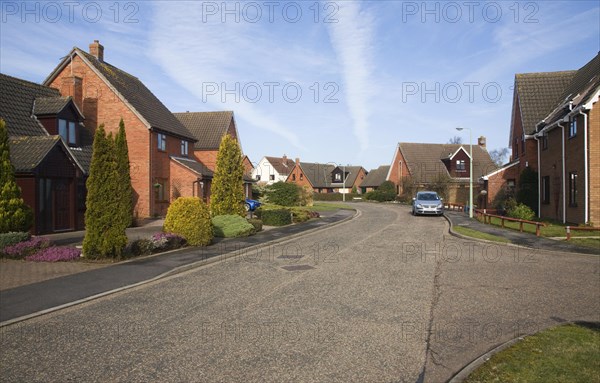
(87, 280)
(516, 237)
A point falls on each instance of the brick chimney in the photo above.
(97, 50)
(297, 161)
(73, 86)
(481, 141)
(284, 160)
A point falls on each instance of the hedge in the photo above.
(230, 226)
(279, 217)
(190, 218)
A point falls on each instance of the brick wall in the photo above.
(398, 170)
(182, 181)
(298, 177)
(498, 183)
(551, 166)
(594, 164)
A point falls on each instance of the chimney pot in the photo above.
(481, 141)
(97, 50)
(297, 161)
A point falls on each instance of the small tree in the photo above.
(455, 140)
(498, 156)
(15, 215)
(124, 192)
(105, 230)
(528, 188)
(284, 194)
(228, 184)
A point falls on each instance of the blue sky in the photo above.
(339, 81)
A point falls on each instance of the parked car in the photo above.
(251, 204)
(427, 202)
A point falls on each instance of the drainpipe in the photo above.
(564, 185)
(585, 165)
(539, 166)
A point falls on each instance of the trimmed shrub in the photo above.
(12, 238)
(278, 217)
(15, 215)
(521, 211)
(283, 194)
(228, 184)
(257, 223)
(305, 196)
(189, 217)
(300, 215)
(230, 226)
(380, 196)
(23, 249)
(55, 254)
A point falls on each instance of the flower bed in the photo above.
(55, 254)
(23, 249)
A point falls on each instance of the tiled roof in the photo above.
(83, 153)
(196, 166)
(27, 152)
(583, 85)
(319, 175)
(207, 127)
(137, 95)
(352, 173)
(538, 94)
(376, 177)
(50, 105)
(282, 167)
(17, 102)
(425, 164)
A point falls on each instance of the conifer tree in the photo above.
(15, 215)
(105, 235)
(228, 185)
(125, 192)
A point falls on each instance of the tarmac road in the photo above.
(385, 297)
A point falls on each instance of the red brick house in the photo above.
(568, 139)
(374, 179)
(156, 139)
(209, 128)
(427, 164)
(49, 170)
(326, 178)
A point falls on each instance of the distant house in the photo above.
(326, 178)
(50, 150)
(208, 128)
(272, 169)
(425, 165)
(568, 140)
(375, 178)
(158, 143)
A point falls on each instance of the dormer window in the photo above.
(184, 148)
(338, 176)
(68, 132)
(460, 166)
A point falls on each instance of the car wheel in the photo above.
(247, 206)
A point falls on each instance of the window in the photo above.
(573, 128)
(546, 190)
(573, 189)
(159, 190)
(162, 142)
(293, 177)
(510, 185)
(67, 130)
(258, 177)
(460, 166)
(301, 176)
(272, 177)
(184, 148)
(338, 177)
(544, 142)
(523, 144)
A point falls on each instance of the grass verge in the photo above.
(323, 206)
(478, 234)
(551, 230)
(566, 354)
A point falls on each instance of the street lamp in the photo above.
(470, 172)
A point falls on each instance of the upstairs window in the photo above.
(338, 176)
(68, 132)
(162, 142)
(461, 166)
(272, 177)
(184, 148)
(258, 177)
(573, 128)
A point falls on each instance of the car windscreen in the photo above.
(428, 197)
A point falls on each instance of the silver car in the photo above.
(427, 202)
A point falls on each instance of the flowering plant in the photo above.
(23, 249)
(55, 254)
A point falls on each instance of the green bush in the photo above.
(257, 223)
(380, 195)
(190, 218)
(230, 226)
(14, 237)
(522, 211)
(140, 247)
(528, 188)
(278, 217)
(283, 194)
(227, 191)
(300, 215)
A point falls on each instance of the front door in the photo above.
(62, 209)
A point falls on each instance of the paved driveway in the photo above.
(385, 297)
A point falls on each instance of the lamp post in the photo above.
(470, 172)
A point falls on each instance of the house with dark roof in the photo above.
(375, 178)
(163, 166)
(272, 169)
(425, 165)
(209, 128)
(326, 178)
(568, 139)
(50, 150)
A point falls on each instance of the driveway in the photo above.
(384, 297)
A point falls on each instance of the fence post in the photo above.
(537, 230)
(521, 226)
(568, 233)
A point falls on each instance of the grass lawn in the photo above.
(587, 242)
(552, 230)
(478, 234)
(565, 354)
(325, 206)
